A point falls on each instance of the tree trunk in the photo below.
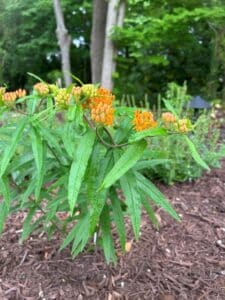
(115, 16)
(98, 38)
(64, 41)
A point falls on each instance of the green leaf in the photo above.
(132, 154)
(150, 190)
(107, 242)
(3, 215)
(35, 76)
(39, 154)
(147, 133)
(5, 191)
(170, 107)
(11, 148)
(78, 167)
(27, 224)
(118, 218)
(37, 147)
(149, 211)
(82, 235)
(28, 192)
(77, 230)
(98, 198)
(195, 154)
(133, 200)
(68, 139)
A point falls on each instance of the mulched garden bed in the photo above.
(183, 260)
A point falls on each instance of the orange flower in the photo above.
(103, 96)
(103, 114)
(143, 120)
(168, 118)
(41, 88)
(21, 93)
(9, 98)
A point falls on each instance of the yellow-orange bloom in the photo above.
(102, 96)
(76, 93)
(9, 98)
(103, 114)
(62, 98)
(20, 93)
(143, 120)
(183, 125)
(89, 90)
(41, 88)
(168, 118)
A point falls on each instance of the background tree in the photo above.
(99, 13)
(28, 42)
(64, 41)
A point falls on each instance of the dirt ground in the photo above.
(181, 261)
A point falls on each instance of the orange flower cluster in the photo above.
(20, 93)
(143, 120)
(103, 113)
(102, 96)
(168, 118)
(9, 98)
(41, 88)
(101, 107)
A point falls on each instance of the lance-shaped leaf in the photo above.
(39, 155)
(107, 241)
(147, 133)
(118, 218)
(78, 167)
(133, 200)
(150, 190)
(11, 148)
(129, 158)
(195, 154)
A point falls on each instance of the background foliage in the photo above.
(162, 41)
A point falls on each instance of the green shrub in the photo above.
(65, 153)
(174, 160)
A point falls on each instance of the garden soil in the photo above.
(182, 260)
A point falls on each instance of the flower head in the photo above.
(20, 93)
(183, 125)
(62, 98)
(76, 93)
(103, 96)
(41, 88)
(143, 120)
(103, 114)
(9, 98)
(88, 90)
(168, 118)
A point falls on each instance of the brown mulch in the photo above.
(183, 260)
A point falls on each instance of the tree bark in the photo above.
(98, 38)
(64, 41)
(115, 16)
